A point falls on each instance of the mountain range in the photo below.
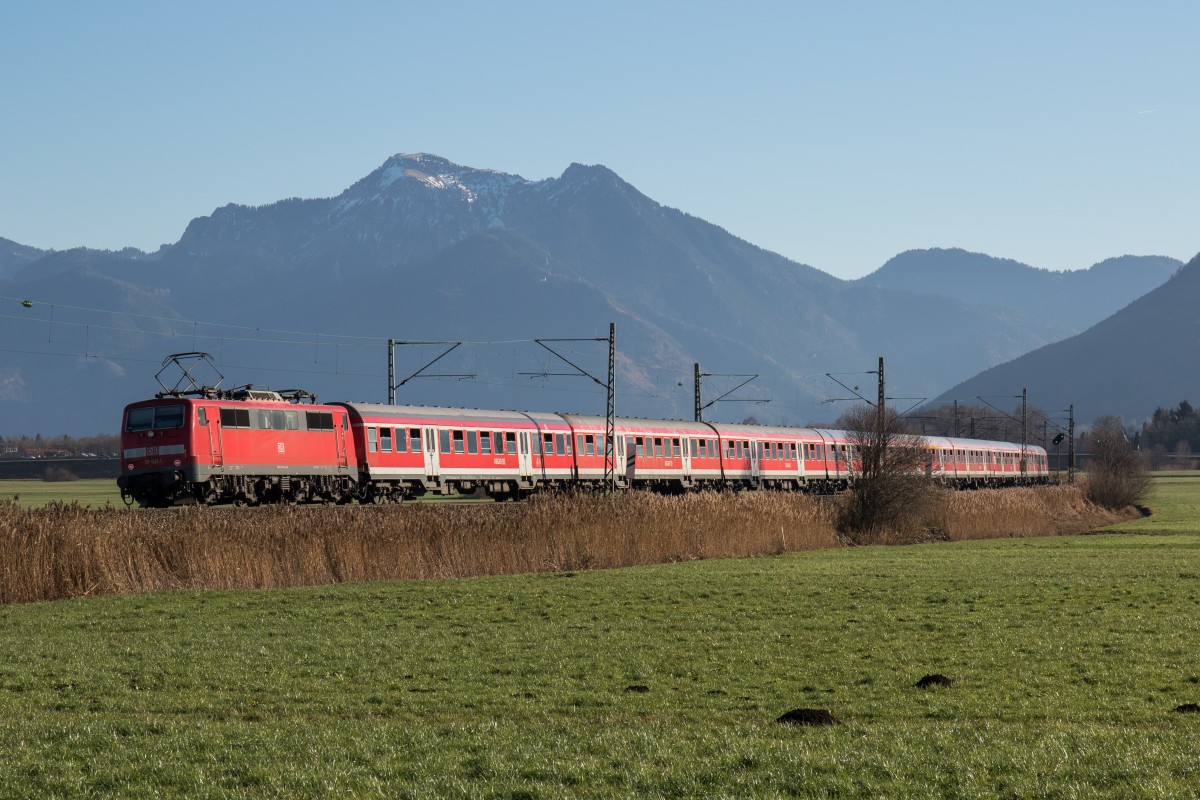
(1144, 356)
(306, 291)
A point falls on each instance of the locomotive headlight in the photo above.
(129, 466)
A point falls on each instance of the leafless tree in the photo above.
(891, 489)
(1116, 474)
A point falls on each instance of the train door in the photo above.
(524, 459)
(755, 456)
(618, 445)
(686, 459)
(212, 430)
(339, 433)
(430, 452)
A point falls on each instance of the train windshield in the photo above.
(154, 418)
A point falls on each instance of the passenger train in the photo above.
(249, 447)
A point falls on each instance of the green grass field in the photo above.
(1068, 656)
(96, 492)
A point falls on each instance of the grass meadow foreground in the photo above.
(94, 492)
(1068, 656)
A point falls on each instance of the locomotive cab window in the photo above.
(154, 418)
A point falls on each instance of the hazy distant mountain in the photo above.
(14, 256)
(1144, 356)
(424, 249)
(1074, 299)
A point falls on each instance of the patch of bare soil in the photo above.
(936, 679)
(809, 716)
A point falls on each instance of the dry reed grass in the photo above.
(1000, 513)
(69, 550)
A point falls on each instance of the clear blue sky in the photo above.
(836, 133)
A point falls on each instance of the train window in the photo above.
(157, 417)
(510, 443)
(458, 442)
(560, 447)
(314, 420)
(640, 448)
(139, 419)
(202, 416)
(590, 445)
(444, 437)
(498, 443)
(600, 444)
(729, 449)
(401, 440)
(524, 440)
(579, 443)
(235, 417)
(385, 440)
(414, 439)
(537, 444)
(168, 417)
(678, 450)
(702, 448)
(658, 447)
(372, 437)
(293, 420)
(472, 442)
(278, 420)
(548, 447)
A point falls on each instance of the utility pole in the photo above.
(882, 424)
(696, 384)
(1024, 429)
(956, 429)
(610, 413)
(391, 372)
(1071, 444)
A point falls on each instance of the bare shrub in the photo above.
(1116, 474)
(890, 492)
(58, 474)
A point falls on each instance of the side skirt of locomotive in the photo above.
(163, 489)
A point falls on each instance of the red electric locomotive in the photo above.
(244, 446)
